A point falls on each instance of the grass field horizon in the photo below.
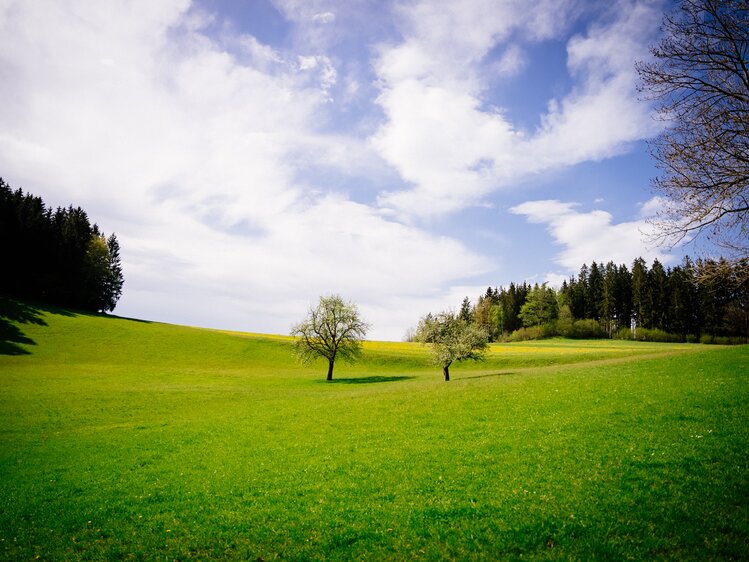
(125, 439)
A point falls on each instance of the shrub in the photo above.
(525, 334)
(586, 329)
(624, 334)
(656, 335)
(729, 340)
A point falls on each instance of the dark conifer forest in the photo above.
(56, 256)
(698, 300)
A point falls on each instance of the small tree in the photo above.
(332, 330)
(114, 279)
(451, 339)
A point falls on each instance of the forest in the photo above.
(59, 257)
(56, 256)
(699, 300)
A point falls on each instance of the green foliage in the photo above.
(694, 298)
(723, 340)
(649, 334)
(533, 333)
(332, 330)
(586, 329)
(540, 306)
(565, 321)
(451, 338)
(113, 280)
(56, 257)
(123, 439)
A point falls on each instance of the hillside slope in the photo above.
(137, 440)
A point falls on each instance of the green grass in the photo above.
(129, 440)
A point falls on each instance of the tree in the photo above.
(594, 300)
(451, 339)
(114, 279)
(333, 330)
(58, 257)
(485, 316)
(659, 297)
(699, 79)
(579, 294)
(95, 272)
(565, 321)
(465, 310)
(540, 307)
(642, 306)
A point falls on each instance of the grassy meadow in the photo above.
(122, 439)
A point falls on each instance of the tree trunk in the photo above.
(330, 370)
(446, 372)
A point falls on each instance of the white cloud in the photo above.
(192, 156)
(513, 61)
(324, 17)
(262, 56)
(452, 147)
(555, 279)
(591, 236)
(210, 155)
(652, 207)
(439, 141)
(327, 72)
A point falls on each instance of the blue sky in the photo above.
(252, 155)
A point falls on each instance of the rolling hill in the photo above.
(137, 440)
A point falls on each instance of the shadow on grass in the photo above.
(499, 374)
(13, 313)
(369, 380)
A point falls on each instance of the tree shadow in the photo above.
(13, 313)
(499, 374)
(369, 380)
(115, 317)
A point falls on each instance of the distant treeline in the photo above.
(57, 257)
(701, 300)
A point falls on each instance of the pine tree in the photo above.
(56, 257)
(579, 294)
(114, 279)
(658, 289)
(466, 313)
(641, 302)
(594, 304)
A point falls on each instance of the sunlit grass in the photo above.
(146, 441)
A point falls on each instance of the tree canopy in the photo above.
(58, 256)
(451, 338)
(332, 330)
(696, 299)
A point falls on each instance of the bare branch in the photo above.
(699, 79)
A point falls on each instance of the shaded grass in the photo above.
(143, 441)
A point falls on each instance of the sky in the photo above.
(252, 155)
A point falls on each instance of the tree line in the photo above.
(56, 256)
(700, 300)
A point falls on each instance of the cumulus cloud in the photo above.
(192, 154)
(437, 138)
(237, 191)
(590, 236)
(452, 147)
(513, 60)
(324, 17)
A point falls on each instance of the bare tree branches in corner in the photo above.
(699, 79)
